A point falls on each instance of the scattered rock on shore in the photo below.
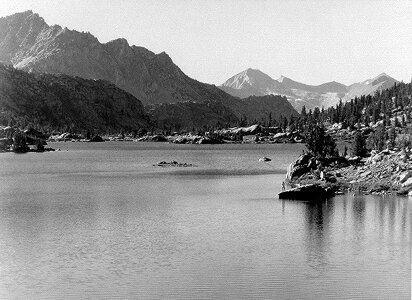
(388, 171)
(153, 138)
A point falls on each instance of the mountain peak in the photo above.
(282, 78)
(253, 82)
(254, 72)
(164, 57)
(370, 86)
(120, 41)
(21, 14)
(247, 77)
(24, 13)
(250, 70)
(378, 79)
(25, 17)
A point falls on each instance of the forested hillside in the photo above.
(65, 103)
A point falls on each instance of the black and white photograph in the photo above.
(205, 149)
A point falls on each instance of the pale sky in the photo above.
(211, 40)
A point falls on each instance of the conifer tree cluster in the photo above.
(382, 106)
(320, 143)
(389, 109)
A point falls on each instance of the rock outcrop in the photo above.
(388, 171)
(308, 192)
(299, 167)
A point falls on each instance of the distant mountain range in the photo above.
(29, 44)
(254, 82)
(171, 98)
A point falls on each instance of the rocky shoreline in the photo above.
(237, 135)
(385, 172)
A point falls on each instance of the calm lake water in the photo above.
(100, 221)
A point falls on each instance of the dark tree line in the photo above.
(390, 108)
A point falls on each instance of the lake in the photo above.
(100, 221)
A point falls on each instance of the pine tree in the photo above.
(377, 139)
(303, 112)
(319, 143)
(285, 124)
(20, 142)
(359, 145)
(392, 137)
(397, 123)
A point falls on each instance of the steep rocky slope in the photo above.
(62, 102)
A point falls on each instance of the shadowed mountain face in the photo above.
(254, 82)
(62, 102)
